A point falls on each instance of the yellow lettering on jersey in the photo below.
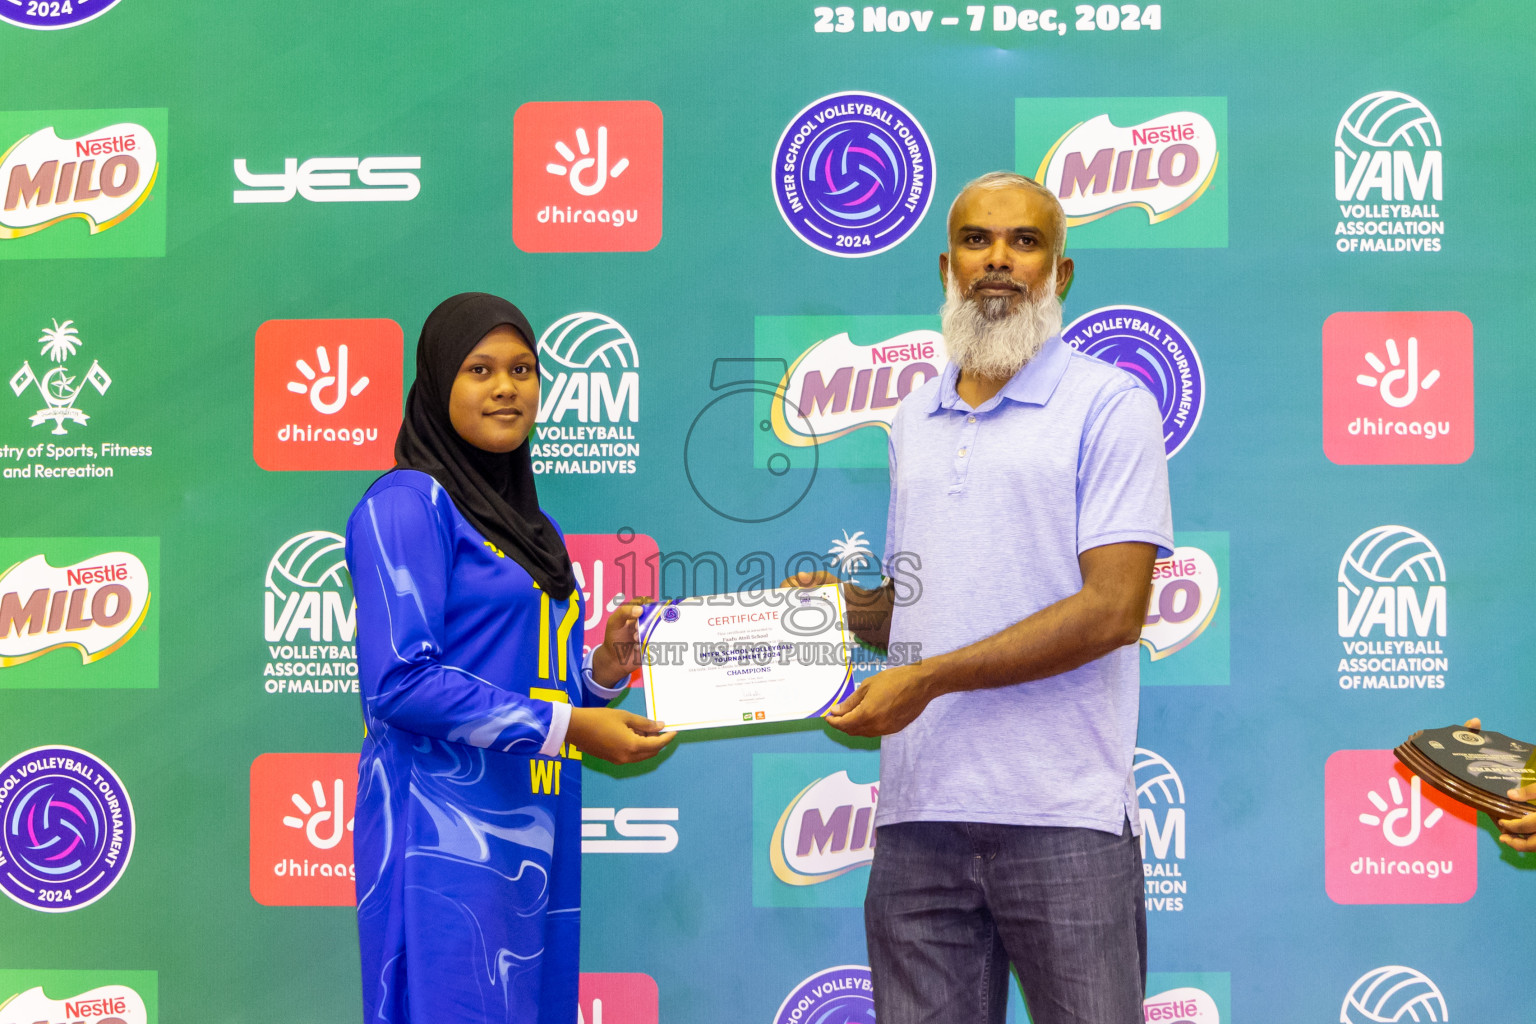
(544, 775)
(555, 697)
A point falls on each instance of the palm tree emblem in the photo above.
(850, 554)
(57, 387)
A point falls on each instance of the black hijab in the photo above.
(495, 492)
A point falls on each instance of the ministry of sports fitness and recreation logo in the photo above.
(837, 995)
(586, 176)
(328, 179)
(302, 808)
(1160, 800)
(81, 183)
(58, 387)
(1394, 995)
(79, 997)
(1131, 172)
(1388, 839)
(616, 999)
(1151, 348)
(79, 612)
(66, 829)
(589, 409)
(1388, 176)
(1186, 634)
(837, 376)
(1398, 389)
(327, 394)
(813, 828)
(310, 617)
(853, 174)
(1392, 612)
(53, 14)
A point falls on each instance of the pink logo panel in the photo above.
(618, 999)
(1390, 839)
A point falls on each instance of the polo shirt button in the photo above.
(970, 419)
(962, 453)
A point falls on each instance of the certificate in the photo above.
(759, 656)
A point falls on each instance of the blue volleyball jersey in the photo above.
(468, 839)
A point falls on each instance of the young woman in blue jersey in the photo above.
(477, 698)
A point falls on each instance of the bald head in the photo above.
(1013, 180)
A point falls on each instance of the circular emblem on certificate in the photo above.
(1151, 348)
(853, 174)
(67, 829)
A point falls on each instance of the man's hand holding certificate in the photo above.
(758, 656)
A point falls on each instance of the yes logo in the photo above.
(1130, 172)
(813, 828)
(328, 179)
(1389, 839)
(1398, 388)
(586, 176)
(301, 830)
(327, 394)
(640, 829)
(82, 183)
(79, 612)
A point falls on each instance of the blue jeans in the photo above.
(951, 903)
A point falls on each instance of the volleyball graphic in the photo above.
(1383, 120)
(1391, 995)
(1389, 555)
(1155, 775)
(309, 561)
(586, 341)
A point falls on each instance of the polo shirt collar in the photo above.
(1033, 385)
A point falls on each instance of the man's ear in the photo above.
(1063, 278)
(943, 270)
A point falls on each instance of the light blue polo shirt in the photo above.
(997, 503)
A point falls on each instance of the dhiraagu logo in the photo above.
(1186, 638)
(1131, 173)
(813, 828)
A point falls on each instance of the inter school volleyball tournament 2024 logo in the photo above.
(310, 617)
(327, 394)
(1392, 612)
(586, 176)
(88, 997)
(302, 808)
(589, 409)
(81, 183)
(1398, 389)
(1130, 172)
(1394, 995)
(79, 612)
(53, 14)
(66, 829)
(1389, 839)
(1152, 349)
(1388, 176)
(853, 174)
(837, 995)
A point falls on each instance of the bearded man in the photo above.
(1031, 483)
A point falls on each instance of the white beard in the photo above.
(985, 340)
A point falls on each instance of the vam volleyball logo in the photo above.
(853, 174)
(1160, 796)
(1388, 176)
(302, 808)
(66, 829)
(310, 617)
(54, 14)
(1388, 839)
(1152, 349)
(1186, 634)
(1392, 612)
(837, 995)
(79, 612)
(1133, 172)
(1394, 995)
(94, 168)
(589, 369)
